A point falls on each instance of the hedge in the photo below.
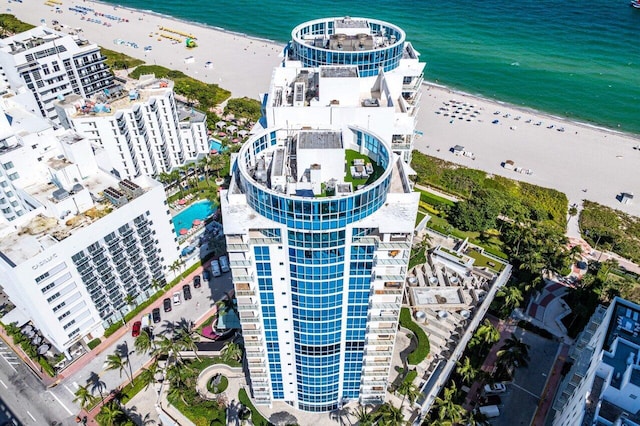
(422, 350)
(256, 417)
(93, 343)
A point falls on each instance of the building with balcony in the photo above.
(603, 386)
(349, 71)
(51, 64)
(137, 128)
(319, 223)
(74, 240)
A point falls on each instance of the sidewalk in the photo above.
(506, 329)
(109, 341)
(35, 368)
(550, 388)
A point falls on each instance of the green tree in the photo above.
(148, 375)
(486, 335)
(84, 397)
(409, 391)
(445, 407)
(232, 351)
(110, 414)
(514, 352)
(143, 343)
(187, 340)
(116, 362)
(390, 415)
(363, 416)
(217, 163)
(511, 298)
(467, 371)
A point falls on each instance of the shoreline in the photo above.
(532, 111)
(582, 160)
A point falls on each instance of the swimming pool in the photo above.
(200, 211)
(217, 145)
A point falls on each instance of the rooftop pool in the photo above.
(196, 211)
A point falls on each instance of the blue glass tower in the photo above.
(318, 224)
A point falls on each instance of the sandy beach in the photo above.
(583, 161)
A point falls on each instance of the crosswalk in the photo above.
(9, 356)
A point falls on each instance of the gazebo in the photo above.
(242, 133)
(232, 128)
(221, 124)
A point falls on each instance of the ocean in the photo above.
(579, 60)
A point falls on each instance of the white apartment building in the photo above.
(74, 240)
(52, 64)
(349, 71)
(603, 386)
(137, 128)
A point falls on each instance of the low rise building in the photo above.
(603, 386)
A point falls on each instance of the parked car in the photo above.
(224, 264)
(494, 388)
(491, 400)
(156, 315)
(215, 268)
(176, 298)
(490, 411)
(135, 330)
(206, 275)
(197, 282)
(186, 290)
(167, 304)
(146, 320)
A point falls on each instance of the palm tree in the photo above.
(148, 375)
(217, 163)
(513, 352)
(165, 346)
(144, 343)
(446, 408)
(116, 362)
(84, 397)
(408, 390)
(512, 298)
(364, 417)
(232, 351)
(130, 299)
(156, 285)
(187, 340)
(204, 164)
(485, 335)
(174, 267)
(109, 414)
(466, 371)
(476, 418)
(390, 415)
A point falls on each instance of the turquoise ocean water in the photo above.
(568, 58)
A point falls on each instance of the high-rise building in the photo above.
(137, 128)
(349, 71)
(52, 64)
(603, 385)
(319, 224)
(74, 240)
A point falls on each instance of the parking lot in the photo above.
(521, 399)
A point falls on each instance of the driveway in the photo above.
(523, 393)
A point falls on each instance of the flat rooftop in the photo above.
(119, 97)
(320, 140)
(42, 231)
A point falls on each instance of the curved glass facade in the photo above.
(314, 213)
(369, 62)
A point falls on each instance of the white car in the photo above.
(494, 388)
(176, 298)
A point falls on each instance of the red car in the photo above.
(135, 330)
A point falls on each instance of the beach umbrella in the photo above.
(214, 151)
(36, 340)
(184, 231)
(197, 222)
(29, 333)
(182, 202)
(42, 349)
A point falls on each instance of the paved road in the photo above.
(105, 380)
(23, 398)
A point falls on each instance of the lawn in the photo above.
(492, 244)
(481, 261)
(421, 352)
(129, 391)
(351, 155)
(256, 417)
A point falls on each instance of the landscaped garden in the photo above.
(422, 349)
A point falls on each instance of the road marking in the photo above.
(10, 365)
(60, 402)
(34, 419)
(70, 391)
(5, 386)
(524, 390)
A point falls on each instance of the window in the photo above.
(13, 176)
(8, 165)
